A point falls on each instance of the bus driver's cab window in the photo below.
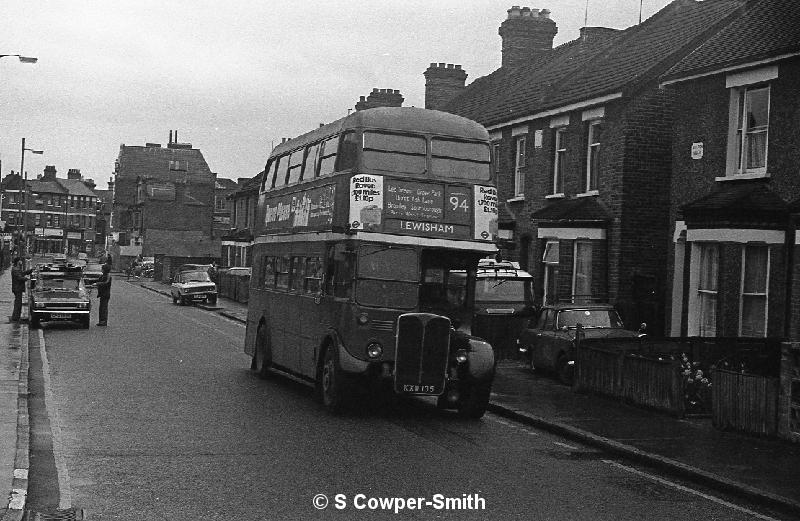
(341, 264)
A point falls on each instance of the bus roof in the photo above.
(409, 119)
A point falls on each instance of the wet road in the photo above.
(158, 417)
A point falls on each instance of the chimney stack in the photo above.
(380, 98)
(49, 173)
(443, 82)
(525, 33)
(170, 137)
(74, 173)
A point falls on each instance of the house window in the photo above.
(755, 274)
(560, 160)
(550, 260)
(749, 135)
(582, 273)
(593, 154)
(707, 289)
(519, 165)
(179, 164)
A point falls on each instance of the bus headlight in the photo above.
(363, 319)
(374, 350)
(461, 356)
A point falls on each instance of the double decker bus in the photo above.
(365, 229)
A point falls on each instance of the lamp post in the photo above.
(23, 59)
(25, 195)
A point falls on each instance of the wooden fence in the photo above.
(745, 402)
(642, 381)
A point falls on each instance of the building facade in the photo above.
(238, 241)
(58, 215)
(164, 202)
(581, 142)
(735, 192)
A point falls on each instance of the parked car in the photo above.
(58, 293)
(549, 341)
(193, 286)
(92, 273)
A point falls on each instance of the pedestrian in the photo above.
(18, 277)
(104, 294)
(109, 260)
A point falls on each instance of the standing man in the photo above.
(18, 277)
(104, 294)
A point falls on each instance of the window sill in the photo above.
(555, 196)
(515, 199)
(590, 193)
(736, 177)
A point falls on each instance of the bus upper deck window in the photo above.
(327, 155)
(460, 159)
(281, 171)
(348, 151)
(311, 161)
(269, 174)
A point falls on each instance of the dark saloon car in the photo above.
(58, 293)
(92, 273)
(549, 341)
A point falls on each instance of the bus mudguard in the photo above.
(480, 357)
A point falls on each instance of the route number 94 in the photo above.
(459, 203)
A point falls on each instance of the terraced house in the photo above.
(582, 145)
(734, 257)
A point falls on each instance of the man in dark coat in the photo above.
(104, 294)
(18, 277)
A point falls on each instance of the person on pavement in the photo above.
(104, 294)
(18, 277)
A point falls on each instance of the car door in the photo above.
(542, 338)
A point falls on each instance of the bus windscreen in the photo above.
(387, 277)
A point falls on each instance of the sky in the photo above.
(235, 77)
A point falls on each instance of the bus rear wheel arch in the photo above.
(262, 354)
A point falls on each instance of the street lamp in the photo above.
(25, 195)
(23, 59)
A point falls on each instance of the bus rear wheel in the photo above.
(331, 383)
(262, 356)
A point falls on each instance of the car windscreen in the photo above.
(195, 276)
(589, 318)
(388, 276)
(60, 283)
(502, 290)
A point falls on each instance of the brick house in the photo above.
(223, 188)
(581, 141)
(237, 242)
(736, 186)
(164, 203)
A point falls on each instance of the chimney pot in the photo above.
(441, 65)
(449, 65)
(514, 12)
(433, 64)
(458, 67)
(544, 13)
(526, 11)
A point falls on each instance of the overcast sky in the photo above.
(231, 77)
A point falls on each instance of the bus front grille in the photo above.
(423, 345)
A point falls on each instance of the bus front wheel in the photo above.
(474, 400)
(262, 356)
(331, 383)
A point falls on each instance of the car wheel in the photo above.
(211, 299)
(34, 322)
(564, 370)
(332, 383)
(183, 301)
(262, 356)
(174, 299)
(474, 399)
(85, 321)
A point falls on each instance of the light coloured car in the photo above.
(58, 293)
(193, 286)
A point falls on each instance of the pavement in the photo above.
(766, 471)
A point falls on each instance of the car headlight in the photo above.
(461, 356)
(38, 305)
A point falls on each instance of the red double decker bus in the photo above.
(361, 224)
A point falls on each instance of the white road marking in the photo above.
(689, 490)
(64, 491)
(570, 447)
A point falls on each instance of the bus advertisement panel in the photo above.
(423, 208)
